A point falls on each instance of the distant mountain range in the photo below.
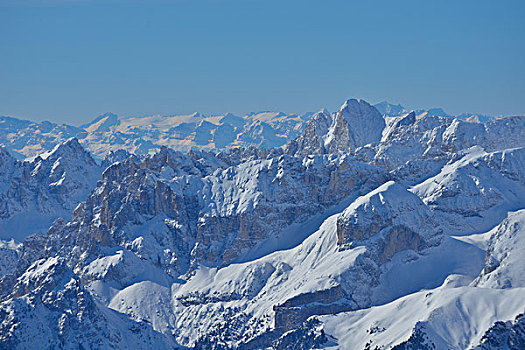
(145, 135)
(392, 110)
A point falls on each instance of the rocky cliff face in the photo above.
(312, 140)
(356, 124)
(389, 207)
(176, 211)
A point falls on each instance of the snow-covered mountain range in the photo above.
(145, 135)
(371, 227)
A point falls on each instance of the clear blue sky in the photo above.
(71, 60)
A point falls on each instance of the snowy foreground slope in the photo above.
(365, 231)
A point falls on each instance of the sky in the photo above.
(68, 61)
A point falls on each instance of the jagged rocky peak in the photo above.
(396, 126)
(311, 141)
(321, 121)
(118, 156)
(195, 162)
(68, 161)
(70, 149)
(353, 108)
(354, 125)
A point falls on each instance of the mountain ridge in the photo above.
(146, 134)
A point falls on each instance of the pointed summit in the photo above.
(70, 149)
(102, 123)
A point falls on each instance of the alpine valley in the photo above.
(372, 227)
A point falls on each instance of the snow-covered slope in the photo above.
(369, 230)
(453, 315)
(474, 193)
(441, 318)
(318, 276)
(505, 256)
(49, 308)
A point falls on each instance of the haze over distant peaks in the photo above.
(145, 135)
